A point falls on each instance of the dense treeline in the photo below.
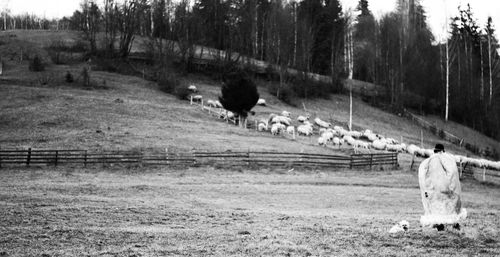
(456, 79)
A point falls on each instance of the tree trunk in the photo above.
(447, 82)
(489, 62)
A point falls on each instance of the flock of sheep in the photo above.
(279, 124)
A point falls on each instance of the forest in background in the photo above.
(456, 79)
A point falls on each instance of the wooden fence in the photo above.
(467, 171)
(32, 157)
(434, 129)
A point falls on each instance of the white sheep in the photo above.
(197, 98)
(322, 141)
(302, 118)
(391, 141)
(230, 115)
(321, 130)
(218, 104)
(328, 135)
(277, 128)
(305, 130)
(261, 102)
(281, 119)
(337, 128)
(321, 123)
(402, 226)
(285, 114)
(290, 130)
(337, 141)
(262, 127)
(379, 145)
(412, 149)
(396, 148)
(355, 134)
(350, 140)
(361, 144)
(193, 88)
(212, 103)
(371, 137)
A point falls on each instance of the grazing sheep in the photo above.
(218, 104)
(350, 140)
(371, 137)
(428, 152)
(355, 134)
(338, 128)
(197, 98)
(305, 130)
(321, 123)
(277, 128)
(230, 115)
(261, 102)
(337, 141)
(342, 132)
(285, 114)
(402, 226)
(321, 130)
(262, 127)
(412, 149)
(212, 103)
(302, 118)
(281, 119)
(328, 135)
(379, 145)
(391, 141)
(396, 148)
(290, 130)
(362, 144)
(193, 88)
(322, 141)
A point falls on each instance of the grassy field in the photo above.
(133, 113)
(211, 212)
(204, 211)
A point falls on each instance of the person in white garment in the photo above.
(440, 191)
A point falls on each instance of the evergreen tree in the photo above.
(238, 94)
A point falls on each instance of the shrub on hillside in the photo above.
(238, 93)
(36, 64)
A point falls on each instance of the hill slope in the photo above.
(133, 113)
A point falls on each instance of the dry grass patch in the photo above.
(68, 212)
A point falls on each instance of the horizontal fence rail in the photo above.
(31, 157)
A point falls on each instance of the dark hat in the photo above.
(439, 148)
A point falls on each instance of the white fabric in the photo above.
(440, 190)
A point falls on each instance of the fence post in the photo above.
(191, 102)
(395, 159)
(350, 163)
(371, 161)
(85, 159)
(57, 153)
(28, 158)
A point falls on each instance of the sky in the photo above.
(437, 10)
